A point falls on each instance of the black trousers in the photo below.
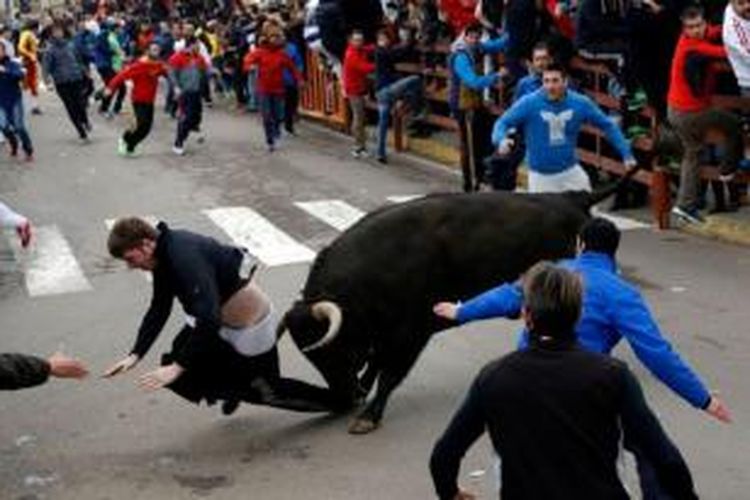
(107, 75)
(224, 374)
(475, 130)
(74, 100)
(189, 116)
(144, 118)
(291, 102)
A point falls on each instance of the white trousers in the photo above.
(573, 179)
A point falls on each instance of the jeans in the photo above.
(190, 115)
(291, 103)
(14, 128)
(252, 98)
(144, 118)
(410, 87)
(272, 112)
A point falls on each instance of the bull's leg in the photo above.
(394, 370)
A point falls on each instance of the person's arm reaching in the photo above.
(643, 430)
(464, 429)
(613, 133)
(465, 71)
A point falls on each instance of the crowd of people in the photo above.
(660, 53)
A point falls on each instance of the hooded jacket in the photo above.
(63, 62)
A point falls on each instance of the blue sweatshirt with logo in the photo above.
(612, 309)
(551, 129)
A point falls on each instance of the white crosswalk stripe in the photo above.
(336, 213)
(49, 266)
(251, 230)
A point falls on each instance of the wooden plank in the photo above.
(612, 166)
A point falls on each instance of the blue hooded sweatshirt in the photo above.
(612, 309)
(551, 129)
(10, 84)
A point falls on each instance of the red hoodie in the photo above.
(145, 75)
(271, 63)
(357, 67)
(680, 96)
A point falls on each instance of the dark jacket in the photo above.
(385, 64)
(18, 371)
(10, 84)
(601, 22)
(63, 63)
(202, 274)
(554, 414)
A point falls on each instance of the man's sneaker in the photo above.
(29, 157)
(382, 160)
(178, 150)
(690, 216)
(122, 147)
(36, 111)
(24, 233)
(360, 153)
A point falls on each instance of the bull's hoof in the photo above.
(362, 426)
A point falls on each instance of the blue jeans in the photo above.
(409, 87)
(13, 127)
(252, 97)
(272, 111)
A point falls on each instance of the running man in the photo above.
(227, 349)
(188, 68)
(28, 51)
(144, 73)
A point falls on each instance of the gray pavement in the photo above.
(106, 440)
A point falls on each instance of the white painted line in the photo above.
(622, 223)
(336, 213)
(148, 218)
(404, 198)
(49, 266)
(251, 230)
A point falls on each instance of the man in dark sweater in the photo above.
(19, 371)
(227, 348)
(555, 412)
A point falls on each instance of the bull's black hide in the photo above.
(386, 272)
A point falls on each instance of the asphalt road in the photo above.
(107, 440)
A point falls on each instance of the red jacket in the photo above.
(680, 96)
(565, 24)
(357, 67)
(271, 63)
(145, 75)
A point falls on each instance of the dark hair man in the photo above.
(613, 309)
(467, 82)
(690, 110)
(554, 412)
(227, 348)
(551, 119)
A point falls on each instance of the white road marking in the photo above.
(404, 198)
(49, 266)
(251, 230)
(336, 213)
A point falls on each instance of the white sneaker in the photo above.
(179, 151)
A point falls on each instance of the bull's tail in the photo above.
(602, 194)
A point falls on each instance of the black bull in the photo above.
(366, 307)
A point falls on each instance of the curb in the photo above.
(722, 228)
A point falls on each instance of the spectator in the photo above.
(690, 111)
(271, 62)
(188, 68)
(12, 121)
(28, 51)
(555, 413)
(20, 371)
(465, 100)
(291, 85)
(502, 169)
(64, 65)
(552, 118)
(357, 68)
(736, 36)
(389, 88)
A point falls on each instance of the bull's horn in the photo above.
(322, 311)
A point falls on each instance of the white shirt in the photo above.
(736, 36)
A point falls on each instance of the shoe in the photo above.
(357, 153)
(24, 233)
(230, 406)
(122, 148)
(29, 157)
(36, 111)
(687, 215)
(382, 160)
(178, 150)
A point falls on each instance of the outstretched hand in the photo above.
(160, 377)
(447, 310)
(717, 409)
(62, 366)
(121, 366)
